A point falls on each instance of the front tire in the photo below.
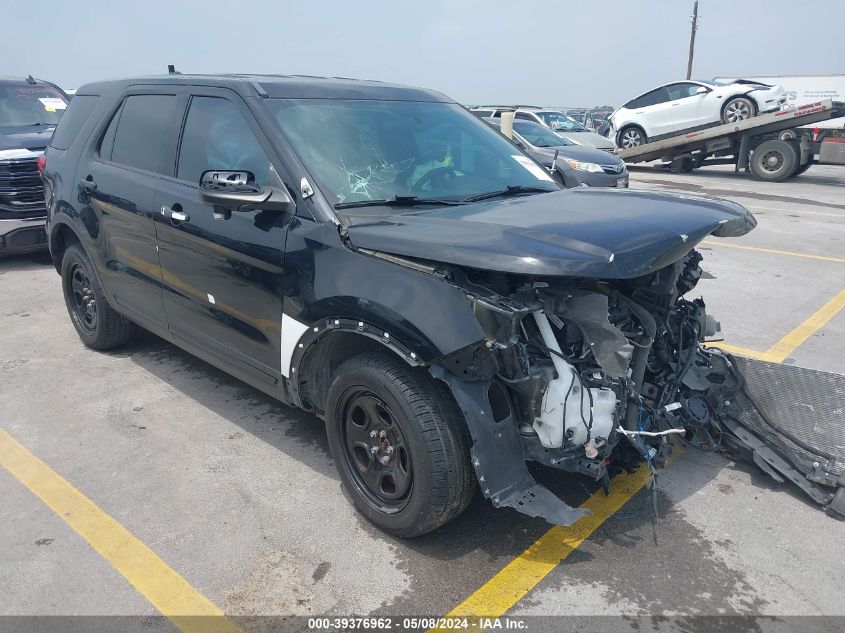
(399, 443)
(632, 136)
(96, 323)
(738, 109)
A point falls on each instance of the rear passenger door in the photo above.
(222, 275)
(117, 180)
(654, 112)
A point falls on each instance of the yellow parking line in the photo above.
(517, 578)
(736, 349)
(789, 343)
(778, 352)
(165, 589)
(774, 251)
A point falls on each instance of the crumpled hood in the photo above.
(598, 233)
(25, 138)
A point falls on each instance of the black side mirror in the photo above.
(237, 191)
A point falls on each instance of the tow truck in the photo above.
(753, 145)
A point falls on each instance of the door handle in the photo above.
(89, 184)
(175, 213)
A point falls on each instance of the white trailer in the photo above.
(753, 145)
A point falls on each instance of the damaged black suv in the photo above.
(377, 255)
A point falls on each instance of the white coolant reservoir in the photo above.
(565, 410)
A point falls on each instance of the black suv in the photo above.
(29, 111)
(377, 255)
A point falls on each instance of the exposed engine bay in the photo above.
(595, 376)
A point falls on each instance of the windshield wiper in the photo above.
(396, 201)
(511, 190)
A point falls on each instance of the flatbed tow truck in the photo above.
(759, 144)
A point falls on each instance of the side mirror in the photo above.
(700, 90)
(237, 191)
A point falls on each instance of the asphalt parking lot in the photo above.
(237, 498)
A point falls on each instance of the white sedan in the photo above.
(685, 106)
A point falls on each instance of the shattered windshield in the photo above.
(363, 150)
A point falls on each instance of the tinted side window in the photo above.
(523, 116)
(77, 113)
(217, 136)
(650, 98)
(681, 91)
(143, 131)
(107, 142)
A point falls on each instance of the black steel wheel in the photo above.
(83, 305)
(96, 323)
(376, 451)
(399, 443)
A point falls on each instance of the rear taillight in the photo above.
(42, 163)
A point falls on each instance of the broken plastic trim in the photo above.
(498, 460)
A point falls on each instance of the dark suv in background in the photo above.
(29, 111)
(380, 257)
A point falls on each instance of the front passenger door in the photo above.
(222, 276)
(687, 105)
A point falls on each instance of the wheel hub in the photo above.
(83, 302)
(772, 160)
(376, 451)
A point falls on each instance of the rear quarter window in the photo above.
(144, 131)
(78, 112)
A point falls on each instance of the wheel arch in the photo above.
(325, 345)
(62, 235)
(736, 95)
(627, 126)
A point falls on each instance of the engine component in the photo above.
(569, 409)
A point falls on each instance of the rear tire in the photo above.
(632, 136)
(96, 323)
(738, 109)
(399, 443)
(774, 161)
(801, 169)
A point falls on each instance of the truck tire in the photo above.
(738, 109)
(801, 168)
(96, 323)
(774, 160)
(631, 136)
(399, 443)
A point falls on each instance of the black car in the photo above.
(377, 255)
(29, 111)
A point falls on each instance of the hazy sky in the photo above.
(579, 53)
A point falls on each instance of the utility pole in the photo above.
(693, 29)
